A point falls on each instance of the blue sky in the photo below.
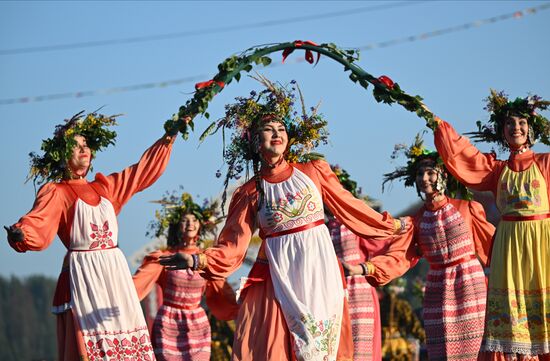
(453, 72)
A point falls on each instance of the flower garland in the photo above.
(52, 165)
(416, 153)
(500, 108)
(385, 90)
(175, 206)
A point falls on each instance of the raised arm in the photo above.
(148, 274)
(120, 187)
(471, 167)
(41, 224)
(352, 212)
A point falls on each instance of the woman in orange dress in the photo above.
(98, 312)
(517, 325)
(293, 301)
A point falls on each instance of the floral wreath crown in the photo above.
(52, 165)
(501, 108)
(175, 206)
(416, 154)
(274, 103)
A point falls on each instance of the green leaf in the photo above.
(210, 130)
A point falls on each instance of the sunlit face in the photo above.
(80, 161)
(516, 131)
(189, 227)
(273, 139)
(426, 179)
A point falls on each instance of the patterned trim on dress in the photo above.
(516, 323)
(112, 348)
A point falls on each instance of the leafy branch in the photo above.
(384, 89)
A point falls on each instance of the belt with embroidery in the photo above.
(293, 230)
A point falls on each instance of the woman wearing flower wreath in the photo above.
(98, 312)
(517, 324)
(353, 250)
(181, 330)
(454, 236)
(292, 303)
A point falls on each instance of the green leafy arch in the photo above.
(384, 89)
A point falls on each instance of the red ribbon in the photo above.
(309, 54)
(206, 84)
(534, 217)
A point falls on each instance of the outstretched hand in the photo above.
(15, 234)
(176, 261)
(351, 270)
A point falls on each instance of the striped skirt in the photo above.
(181, 335)
(364, 312)
(454, 311)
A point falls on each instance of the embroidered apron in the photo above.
(303, 266)
(103, 297)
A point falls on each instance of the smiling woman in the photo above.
(454, 236)
(517, 326)
(181, 330)
(96, 304)
(296, 266)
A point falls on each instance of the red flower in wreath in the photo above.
(386, 81)
(535, 183)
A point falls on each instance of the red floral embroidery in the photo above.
(114, 349)
(535, 183)
(101, 237)
(311, 206)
